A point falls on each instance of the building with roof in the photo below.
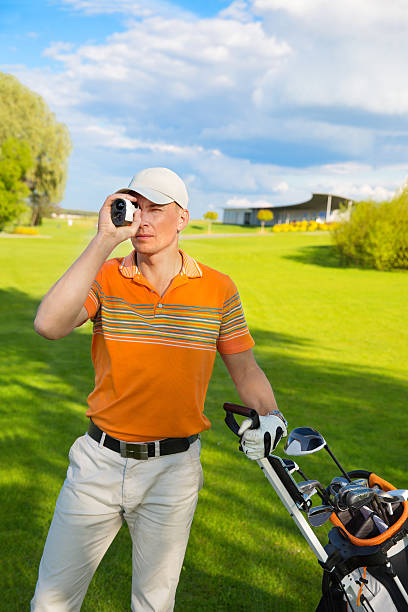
(321, 207)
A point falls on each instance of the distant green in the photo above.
(332, 340)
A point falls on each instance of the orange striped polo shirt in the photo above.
(153, 355)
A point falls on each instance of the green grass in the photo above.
(199, 226)
(334, 343)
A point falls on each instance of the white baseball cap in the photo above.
(161, 186)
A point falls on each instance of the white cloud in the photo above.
(176, 89)
(349, 54)
(245, 203)
(343, 17)
(261, 126)
(239, 10)
(346, 168)
(374, 193)
(56, 49)
(184, 61)
(115, 138)
(247, 71)
(127, 7)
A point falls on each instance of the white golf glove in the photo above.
(258, 443)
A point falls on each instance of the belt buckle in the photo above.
(134, 450)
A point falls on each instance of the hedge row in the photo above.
(303, 226)
(26, 231)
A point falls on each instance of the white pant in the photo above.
(157, 497)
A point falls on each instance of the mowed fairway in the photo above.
(333, 342)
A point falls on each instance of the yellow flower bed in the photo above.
(304, 226)
(27, 231)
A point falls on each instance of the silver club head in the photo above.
(319, 515)
(340, 499)
(337, 483)
(362, 482)
(304, 441)
(394, 496)
(308, 487)
(356, 498)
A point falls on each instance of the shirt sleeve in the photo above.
(234, 336)
(94, 299)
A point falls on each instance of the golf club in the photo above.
(292, 466)
(379, 509)
(384, 499)
(340, 497)
(305, 441)
(308, 487)
(393, 496)
(379, 523)
(356, 498)
(336, 484)
(319, 515)
(362, 482)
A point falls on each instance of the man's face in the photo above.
(159, 225)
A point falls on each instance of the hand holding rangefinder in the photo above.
(122, 211)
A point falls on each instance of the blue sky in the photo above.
(251, 101)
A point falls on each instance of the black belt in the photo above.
(141, 450)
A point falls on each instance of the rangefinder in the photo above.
(122, 211)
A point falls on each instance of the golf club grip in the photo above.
(232, 409)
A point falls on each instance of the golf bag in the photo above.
(361, 555)
(365, 562)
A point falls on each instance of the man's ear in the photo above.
(183, 219)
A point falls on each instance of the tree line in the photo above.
(34, 151)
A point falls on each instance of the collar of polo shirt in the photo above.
(190, 267)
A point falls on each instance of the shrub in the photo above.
(303, 226)
(376, 235)
(27, 231)
(312, 226)
(330, 226)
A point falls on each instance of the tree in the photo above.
(15, 162)
(210, 215)
(25, 116)
(264, 215)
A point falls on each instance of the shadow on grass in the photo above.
(243, 545)
(326, 256)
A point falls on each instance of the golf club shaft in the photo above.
(324, 496)
(337, 463)
(303, 475)
(379, 510)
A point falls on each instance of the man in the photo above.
(159, 317)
